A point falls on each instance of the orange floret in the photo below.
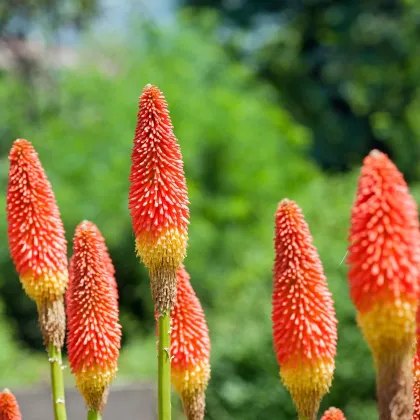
(333, 414)
(94, 334)
(303, 316)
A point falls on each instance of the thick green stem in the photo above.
(164, 367)
(57, 383)
(94, 415)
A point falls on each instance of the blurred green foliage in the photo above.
(18, 18)
(243, 153)
(348, 70)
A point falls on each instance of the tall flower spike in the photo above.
(333, 414)
(303, 316)
(36, 239)
(94, 334)
(384, 273)
(9, 408)
(158, 199)
(190, 349)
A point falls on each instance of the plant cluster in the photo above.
(81, 294)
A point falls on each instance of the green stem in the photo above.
(57, 383)
(164, 367)
(94, 415)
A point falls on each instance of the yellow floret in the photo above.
(162, 256)
(307, 383)
(93, 384)
(167, 251)
(197, 377)
(389, 327)
(191, 385)
(44, 287)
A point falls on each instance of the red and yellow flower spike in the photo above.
(333, 414)
(36, 239)
(158, 200)
(9, 407)
(94, 334)
(384, 260)
(303, 316)
(190, 349)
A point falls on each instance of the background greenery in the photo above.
(249, 138)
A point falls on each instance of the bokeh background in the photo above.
(269, 99)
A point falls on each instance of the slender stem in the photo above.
(57, 383)
(94, 415)
(164, 367)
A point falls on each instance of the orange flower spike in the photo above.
(94, 334)
(303, 316)
(384, 255)
(158, 200)
(36, 238)
(333, 414)
(190, 348)
(9, 407)
(384, 260)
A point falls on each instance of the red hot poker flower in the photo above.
(36, 239)
(384, 259)
(36, 233)
(333, 414)
(158, 199)
(384, 253)
(94, 334)
(303, 316)
(190, 348)
(9, 408)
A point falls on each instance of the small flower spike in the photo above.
(190, 349)
(384, 260)
(158, 200)
(303, 316)
(36, 239)
(9, 408)
(333, 414)
(94, 334)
